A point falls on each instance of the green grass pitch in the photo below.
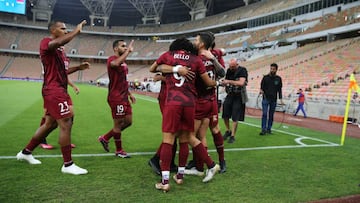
(273, 168)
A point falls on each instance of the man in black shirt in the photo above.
(234, 104)
(271, 85)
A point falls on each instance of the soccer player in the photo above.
(44, 143)
(206, 111)
(179, 111)
(154, 162)
(118, 96)
(57, 101)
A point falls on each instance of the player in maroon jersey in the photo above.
(179, 110)
(57, 101)
(44, 143)
(154, 161)
(206, 111)
(118, 96)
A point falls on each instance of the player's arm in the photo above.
(159, 77)
(82, 66)
(153, 68)
(207, 80)
(181, 70)
(61, 41)
(219, 69)
(132, 98)
(76, 89)
(118, 61)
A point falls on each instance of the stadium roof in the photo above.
(125, 14)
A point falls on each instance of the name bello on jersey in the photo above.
(182, 56)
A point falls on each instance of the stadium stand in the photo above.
(24, 67)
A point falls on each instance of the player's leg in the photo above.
(44, 143)
(65, 125)
(219, 144)
(165, 157)
(201, 152)
(170, 125)
(119, 123)
(196, 165)
(183, 155)
(201, 135)
(40, 134)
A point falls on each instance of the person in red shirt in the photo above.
(154, 161)
(179, 110)
(57, 101)
(118, 96)
(301, 102)
(44, 144)
(206, 111)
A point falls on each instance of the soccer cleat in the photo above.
(231, 139)
(27, 157)
(222, 166)
(122, 154)
(104, 143)
(263, 132)
(155, 166)
(210, 173)
(178, 181)
(46, 146)
(73, 169)
(163, 187)
(73, 145)
(190, 165)
(268, 132)
(227, 134)
(193, 171)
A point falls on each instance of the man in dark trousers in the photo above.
(271, 88)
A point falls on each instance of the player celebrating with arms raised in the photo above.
(118, 96)
(57, 101)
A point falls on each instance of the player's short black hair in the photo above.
(53, 23)
(207, 38)
(182, 44)
(116, 42)
(274, 65)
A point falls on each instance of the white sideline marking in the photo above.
(300, 137)
(152, 153)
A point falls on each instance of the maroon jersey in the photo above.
(218, 54)
(118, 86)
(54, 63)
(204, 92)
(180, 91)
